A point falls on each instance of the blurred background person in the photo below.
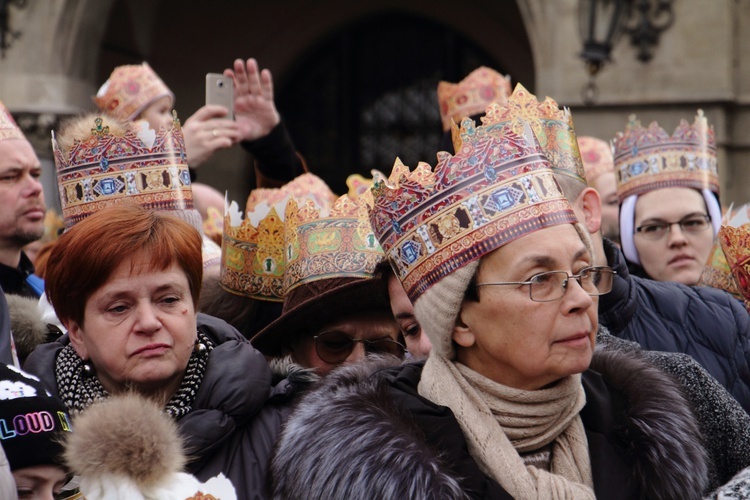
(598, 164)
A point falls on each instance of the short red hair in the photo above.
(86, 255)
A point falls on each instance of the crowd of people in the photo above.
(531, 318)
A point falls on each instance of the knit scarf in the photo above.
(499, 422)
(78, 390)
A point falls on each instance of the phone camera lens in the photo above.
(220, 83)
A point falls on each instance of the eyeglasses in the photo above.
(551, 286)
(334, 347)
(692, 224)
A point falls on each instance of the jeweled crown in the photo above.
(129, 90)
(253, 262)
(552, 127)
(496, 188)
(471, 95)
(323, 244)
(8, 127)
(649, 158)
(102, 168)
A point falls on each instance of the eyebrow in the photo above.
(659, 219)
(118, 294)
(404, 315)
(550, 262)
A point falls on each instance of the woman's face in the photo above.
(677, 256)
(417, 342)
(40, 482)
(158, 113)
(520, 343)
(139, 328)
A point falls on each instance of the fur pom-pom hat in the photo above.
(127, 448)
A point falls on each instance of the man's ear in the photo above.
(462, 334)
(75, 334)
(590, 203)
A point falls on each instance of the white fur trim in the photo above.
(714, 210)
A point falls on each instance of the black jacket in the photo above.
(367, 433)
(235, 418)
(705, 323)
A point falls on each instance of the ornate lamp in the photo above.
(6, 34)
(603, 22)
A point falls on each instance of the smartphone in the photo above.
(220, 91)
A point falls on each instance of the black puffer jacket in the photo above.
(705, 323)
(365, 432)
(235, 418)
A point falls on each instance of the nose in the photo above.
(357, 353)
(675, 236)
(576, 299)
(32, 186)
(147, 319)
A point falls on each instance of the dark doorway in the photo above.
(367, 94)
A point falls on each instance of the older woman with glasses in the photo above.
(504, 283)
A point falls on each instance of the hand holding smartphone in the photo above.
(220, 91)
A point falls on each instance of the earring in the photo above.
(88, 370)
(199, 348)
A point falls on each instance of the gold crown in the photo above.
(496, 188)
(323, 244)
(648, 158)
(597, 157)
(253, 260)
(101, 168)
(471, 95)
(552, 126)
(130, 90)
(8, 127)
(735, 243)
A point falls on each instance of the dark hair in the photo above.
(86, 255)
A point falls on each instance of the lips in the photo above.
(576, 338)
(151, 350)
(681, 259)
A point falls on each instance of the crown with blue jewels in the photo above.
(496, 188)
(649, 158)
(323, 244)
(140, 165)
(253, 261)
(552, 127)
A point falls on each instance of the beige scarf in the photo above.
(528, 420)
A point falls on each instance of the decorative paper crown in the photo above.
(129, 90)
(306, 185)
(649, 159)
(497, 188)
(252, 262)
(8, 127)
(337, 244)
(597, 157)
(552, 127)
(735, 243)
(471, 95)
(102, 169)
(718, 274)
(358, 185)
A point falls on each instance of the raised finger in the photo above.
(266, 84)
(253, 79)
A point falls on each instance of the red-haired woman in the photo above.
(125, 283)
